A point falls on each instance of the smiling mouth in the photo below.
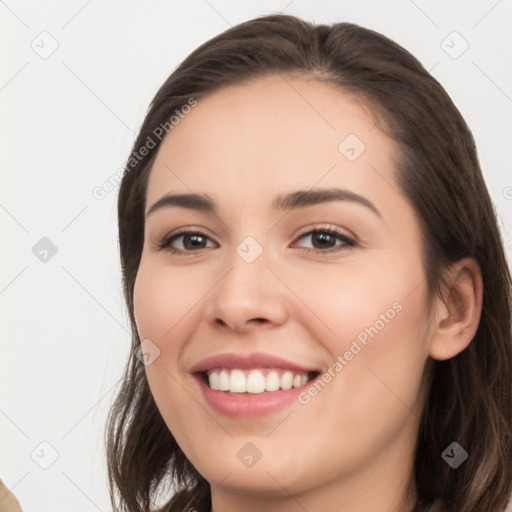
(255, 381)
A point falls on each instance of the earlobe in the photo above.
(458, 315)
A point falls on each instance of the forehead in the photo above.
(273, 134)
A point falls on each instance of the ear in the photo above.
(457, 313)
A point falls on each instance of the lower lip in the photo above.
(249, 405)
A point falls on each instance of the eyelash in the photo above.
(165, 243)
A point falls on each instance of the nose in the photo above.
(249, 297)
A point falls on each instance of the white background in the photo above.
(67, 125)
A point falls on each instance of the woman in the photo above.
(317, 288)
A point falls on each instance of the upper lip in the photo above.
(247, 361)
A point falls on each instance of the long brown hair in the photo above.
(470, 398)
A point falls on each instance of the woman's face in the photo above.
(279, 285)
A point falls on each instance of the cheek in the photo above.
(373, 323)
(378, 350)
(163, 297)
(164, 300)
(350, 301)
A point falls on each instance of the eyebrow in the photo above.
(291, 201)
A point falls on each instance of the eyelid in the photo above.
(326, 227)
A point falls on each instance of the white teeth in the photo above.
(223, 380)
(287, 380)
(272, 381)
(255, 381)
(214, 381)
(237, 382)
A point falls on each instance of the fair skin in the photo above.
(350, 448)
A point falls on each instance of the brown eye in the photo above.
(190, 241)
(327, 240)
